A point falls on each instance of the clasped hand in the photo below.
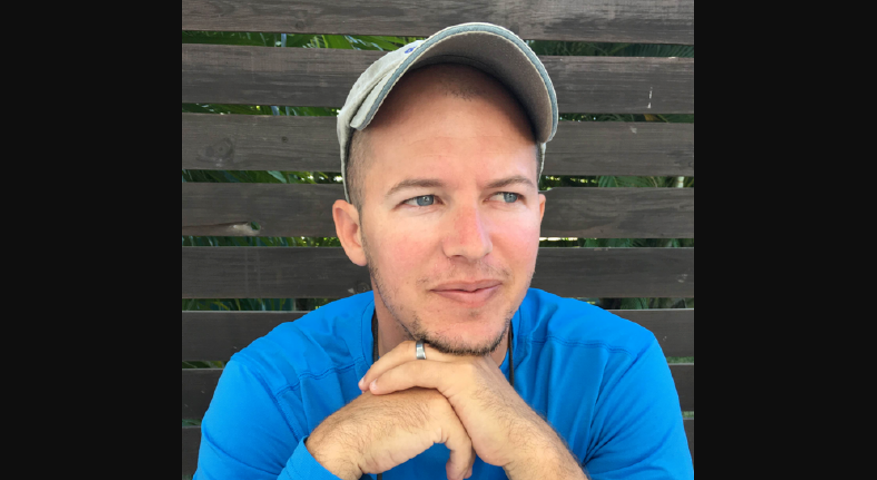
(409, 405)
(498, 421)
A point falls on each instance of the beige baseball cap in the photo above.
(489, 48)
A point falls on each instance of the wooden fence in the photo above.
(216, 74)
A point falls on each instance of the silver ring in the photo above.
(421, 351)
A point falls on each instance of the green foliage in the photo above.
(255, 304)
(312, 178)
(678, 360)
(345, 42)
(189, 365)
(260, 110)
(580, 49)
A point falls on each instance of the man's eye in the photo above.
(424, 201)
(509, 197)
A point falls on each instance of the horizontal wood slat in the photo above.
(619, 213)
(199, 385)
(673, 328)
(192, 443)
(306, 211)
(632, 21)
(243, 142)
(232, 272)
(191, 446)
(216, 336)
(302, 77)
(198, 388)
(683, 375)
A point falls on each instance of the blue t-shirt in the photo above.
(602, 382)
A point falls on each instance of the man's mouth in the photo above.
(472, 295)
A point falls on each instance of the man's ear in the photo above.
(349, 229)
(542, 201)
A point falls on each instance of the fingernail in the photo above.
(362, 384)
(374, 385)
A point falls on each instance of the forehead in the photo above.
(463, 146)
(450, 122)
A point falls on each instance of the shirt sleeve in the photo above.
(641, 429)
(245, 434)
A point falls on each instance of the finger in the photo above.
(406, 352)
(462, 451)
(391, 360)
(424, 374)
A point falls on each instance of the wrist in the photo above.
(546, 456)
(334, 458)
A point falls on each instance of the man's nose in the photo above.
(469, 235)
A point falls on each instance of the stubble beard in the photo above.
(414, 329)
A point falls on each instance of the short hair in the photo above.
(360, 148)
(452, 86)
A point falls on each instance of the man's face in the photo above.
(451, 215)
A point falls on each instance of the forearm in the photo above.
(546, 456)
(303, 465)
(376, 434)
(332, 453)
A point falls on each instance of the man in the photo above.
(453, 368)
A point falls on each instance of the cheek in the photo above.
(521, 238)
(400, 252)
(414, 249)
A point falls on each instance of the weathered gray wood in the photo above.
(198, 388)
(328, 273)
(617, 273)
(322, 78)
(689, 431)
(622, 149)
(216, 336)
(674, 329)
(199, 385)
(633, 21)
(306, 211)
(243, 142)
(270, 273)
(619, 213)
(191, 445)
(280, 210)
(683, 374)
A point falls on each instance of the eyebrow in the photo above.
(432, 183)
(516, 180)
(414, 183)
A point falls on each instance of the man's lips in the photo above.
(472, 295)
(467, 286)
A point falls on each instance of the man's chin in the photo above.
(463, 350)
(465, 347)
